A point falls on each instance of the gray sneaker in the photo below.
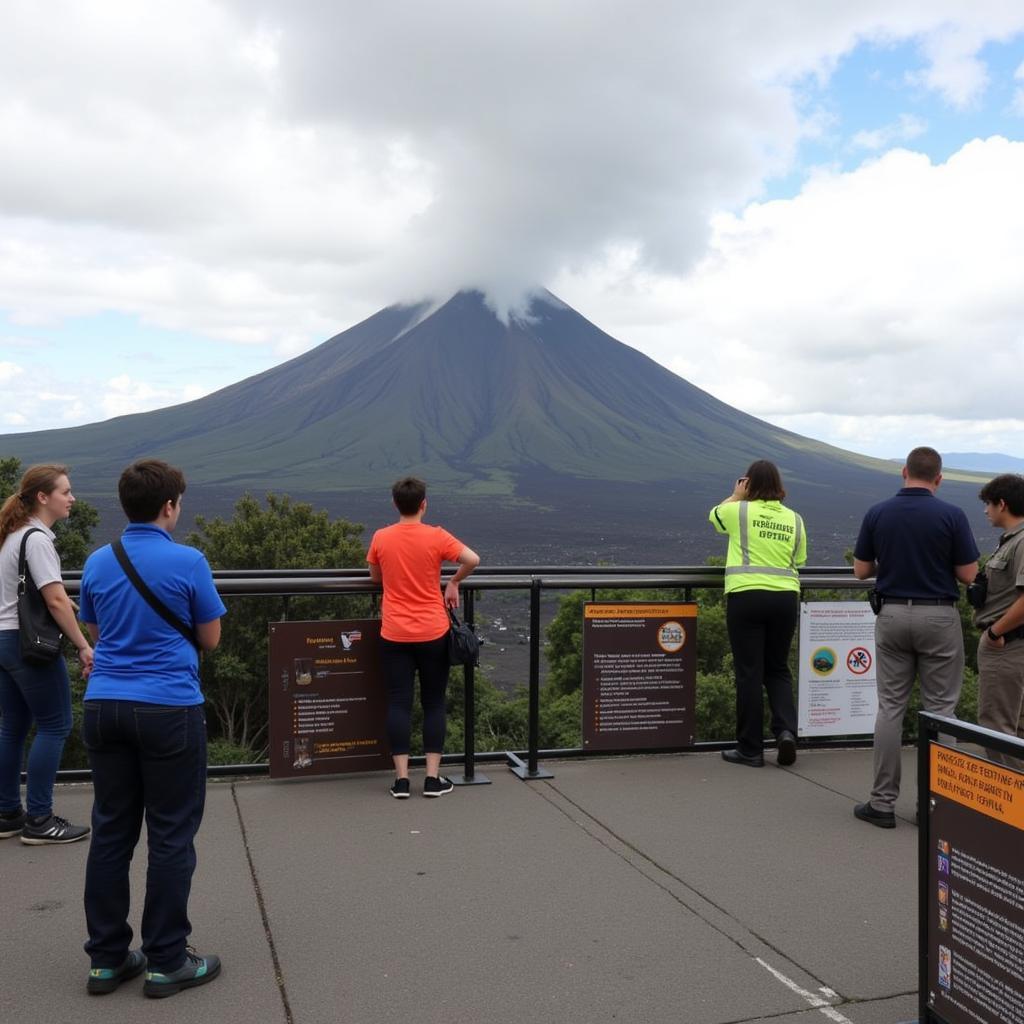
(196, 970)
(51, 831)
(106, 979)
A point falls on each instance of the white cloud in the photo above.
(888, 295)
(8, 371)
(267, 174)
(903, 129)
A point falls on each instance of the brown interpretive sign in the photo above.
(639, 675)
(975, 889)
(327, 700)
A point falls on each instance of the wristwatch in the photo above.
(992, 636)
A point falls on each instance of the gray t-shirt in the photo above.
(1005, 572)
(43, 563)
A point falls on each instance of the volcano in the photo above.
(542, 412)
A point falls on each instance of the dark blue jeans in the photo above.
(146, 759)
(31, 693)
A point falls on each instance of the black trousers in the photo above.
(399, 663)
(761, 625)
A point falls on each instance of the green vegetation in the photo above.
(282, 535)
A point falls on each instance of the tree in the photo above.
(74, 536)
(283, 535)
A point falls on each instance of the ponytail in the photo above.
(20, 506)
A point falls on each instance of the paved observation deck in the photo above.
(672, 888)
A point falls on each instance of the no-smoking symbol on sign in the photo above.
(858, 660)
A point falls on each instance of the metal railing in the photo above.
(535, 580)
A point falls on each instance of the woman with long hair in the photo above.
(767, 542)
(32, 693)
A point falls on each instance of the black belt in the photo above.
(948, 602)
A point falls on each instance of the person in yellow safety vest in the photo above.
(767, 542)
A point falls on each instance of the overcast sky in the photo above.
(813, 210)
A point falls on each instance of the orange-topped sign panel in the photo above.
(638, 611)
(978, 784)
(639, 675)
(974, 898)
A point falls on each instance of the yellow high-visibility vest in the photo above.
(767, 542)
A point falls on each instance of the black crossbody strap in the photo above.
(149, 597)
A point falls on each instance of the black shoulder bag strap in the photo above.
(149, 597)
(23, 574)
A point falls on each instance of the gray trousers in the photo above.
(1001, 692)
(912, 640)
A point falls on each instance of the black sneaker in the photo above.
(106, 979)
(400, 789)
(437, 785)
(11, 823)
(52, 830)
(196, 970)
(883, 819)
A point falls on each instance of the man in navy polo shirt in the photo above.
(918, 547)
(145, 731)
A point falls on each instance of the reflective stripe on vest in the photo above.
(764, 570)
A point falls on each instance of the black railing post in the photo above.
(469, 775)
(531, 769)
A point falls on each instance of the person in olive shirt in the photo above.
(767, 542)
(1001, 617)
(918, 547)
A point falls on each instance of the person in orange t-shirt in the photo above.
(406, 559)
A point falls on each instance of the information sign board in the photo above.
(327, 701)
(837, 669)
(639, 675)
(975, 890)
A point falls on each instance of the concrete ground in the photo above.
(640, 889)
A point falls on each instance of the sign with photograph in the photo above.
(327, 701)
(837, 669)
(639, 675)
(975, 889)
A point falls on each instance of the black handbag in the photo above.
(463, 644)
(40, 636)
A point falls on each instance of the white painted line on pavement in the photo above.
(816, 1001)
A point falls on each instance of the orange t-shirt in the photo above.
(409, 556)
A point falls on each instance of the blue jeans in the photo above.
(31, 693)
(146, 759)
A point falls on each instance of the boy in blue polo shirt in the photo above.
(145, 731)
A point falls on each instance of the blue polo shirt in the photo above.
(916, 539)
(140, 657)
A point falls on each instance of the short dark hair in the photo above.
(1008, 487)
(146, 486)
(924, 464)
(764, 482)
(408, 494)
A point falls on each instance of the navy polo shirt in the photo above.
(916, 539)
(140, 657)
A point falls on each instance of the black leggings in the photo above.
(399, 663)
(761, 625)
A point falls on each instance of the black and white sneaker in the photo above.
(437, 785)
(400, 789)
(51, 831)
(11, 823)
